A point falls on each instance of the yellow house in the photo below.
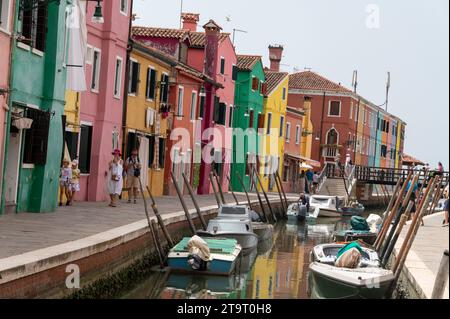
(146, 120)
(308, 129)
(272, 137)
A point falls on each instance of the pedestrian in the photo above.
(414, 195)
(304, 200)
(446, 206)
(309, 180)
(115, 178)
(337, 165)
(133, 170)
(315, 182)
(64, 182)
(74, 181)
(302, 182)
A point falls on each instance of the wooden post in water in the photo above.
(412, 231)
(183, 204)
(152, 230)
(441, 278)
(264, 193)
(194, 200)
(211, 177)
(219, 186)
(159, 218)
(282, 188)
(266, 219)
(284, 209)
(231, 189)
(390, 215)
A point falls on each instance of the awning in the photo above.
(409, 160)
(304, 159)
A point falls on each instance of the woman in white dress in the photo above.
(115, 180)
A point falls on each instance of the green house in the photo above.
(248, 117)
(34, 128)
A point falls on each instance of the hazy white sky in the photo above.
(334, 37)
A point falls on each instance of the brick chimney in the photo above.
(190, 21)
(212, 33)
(275, 55)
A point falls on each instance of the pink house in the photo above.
(214, 49)
(6, 28)
(101, 106)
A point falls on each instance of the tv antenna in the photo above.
(388, 87)
(355, 80)
(237, 30)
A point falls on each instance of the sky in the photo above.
(408, 38)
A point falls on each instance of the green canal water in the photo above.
(278, 269)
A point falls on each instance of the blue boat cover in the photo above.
(359, 223)
(348, 247)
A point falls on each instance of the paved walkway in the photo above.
(25, 232)
(426, 252)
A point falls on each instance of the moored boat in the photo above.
(353, 235)
(220, 254)
(297, 211)
(330, 282)
(328, 205)
(327, 254)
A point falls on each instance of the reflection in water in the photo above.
(277, 269)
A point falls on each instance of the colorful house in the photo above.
(146, 124)
(225, 61)
(274, 110)
(248, 118)
(94, 117)
(33, 141)
(6, 26)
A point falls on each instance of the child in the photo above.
(64, 182)
(75, 181)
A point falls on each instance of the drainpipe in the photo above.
(321, 123)
(125, 86)
(8, 111)
(356, 129)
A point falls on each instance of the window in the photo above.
(124, 6)
(150, 90)
(365, 116)
(387, 126)
(251, 120)
(255, 84)
(297, 134)
(201, 111)
(133, 80)
(288, 132)
(218, 165)
(95, 82)
(162, 152)
(383, 151)
(351, 110)
(284, 94)
(85, 149)
(34, 25)
(4, 14)
(334, 109)
(281, 125)
(220, 112)
(261, 122)
(222, 65)
(180, 101)
(164, 88)
(36, 138)
(235, 73)
(269, 123)
(285, 173)
(118, 77)
(193, 105)
(71, 139)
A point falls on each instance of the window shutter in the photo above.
(40, 128)
(152, 84)
(222, 113)
(151, 153)
(216, 109)
(162, 151)
(235, 73)
(255, 84)
(264, 88)
(261, 120)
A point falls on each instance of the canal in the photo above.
(278, 269)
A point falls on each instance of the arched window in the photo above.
(332, 137)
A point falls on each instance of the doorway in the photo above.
(12, 167)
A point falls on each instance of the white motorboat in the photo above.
(328, 205)
(297, 211)
(330, 282)
(241, 230)
(326, 254)
(243, 212)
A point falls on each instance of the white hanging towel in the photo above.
(77, 43)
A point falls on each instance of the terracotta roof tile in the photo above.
(159, 32)
(198, 39)
(273, 79)
(308, 80)
(190, 16)
(247, 62)
(410, 160)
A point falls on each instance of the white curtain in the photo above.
(77, 43)
(144, 145)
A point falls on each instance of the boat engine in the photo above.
(199, 254)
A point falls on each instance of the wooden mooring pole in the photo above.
(266, 219)
(441, 278)
(283, 208)
(183, 204)
(282, 189)
(211, 177)
(159, 218)
(219, 186)
(264, 193)
(232, 191)
(194, 200)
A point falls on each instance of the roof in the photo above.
(247, 62)
(195, 17)
(410, 160)
(198, 39)
(273, 79)
(159, 32)
(308, 80)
